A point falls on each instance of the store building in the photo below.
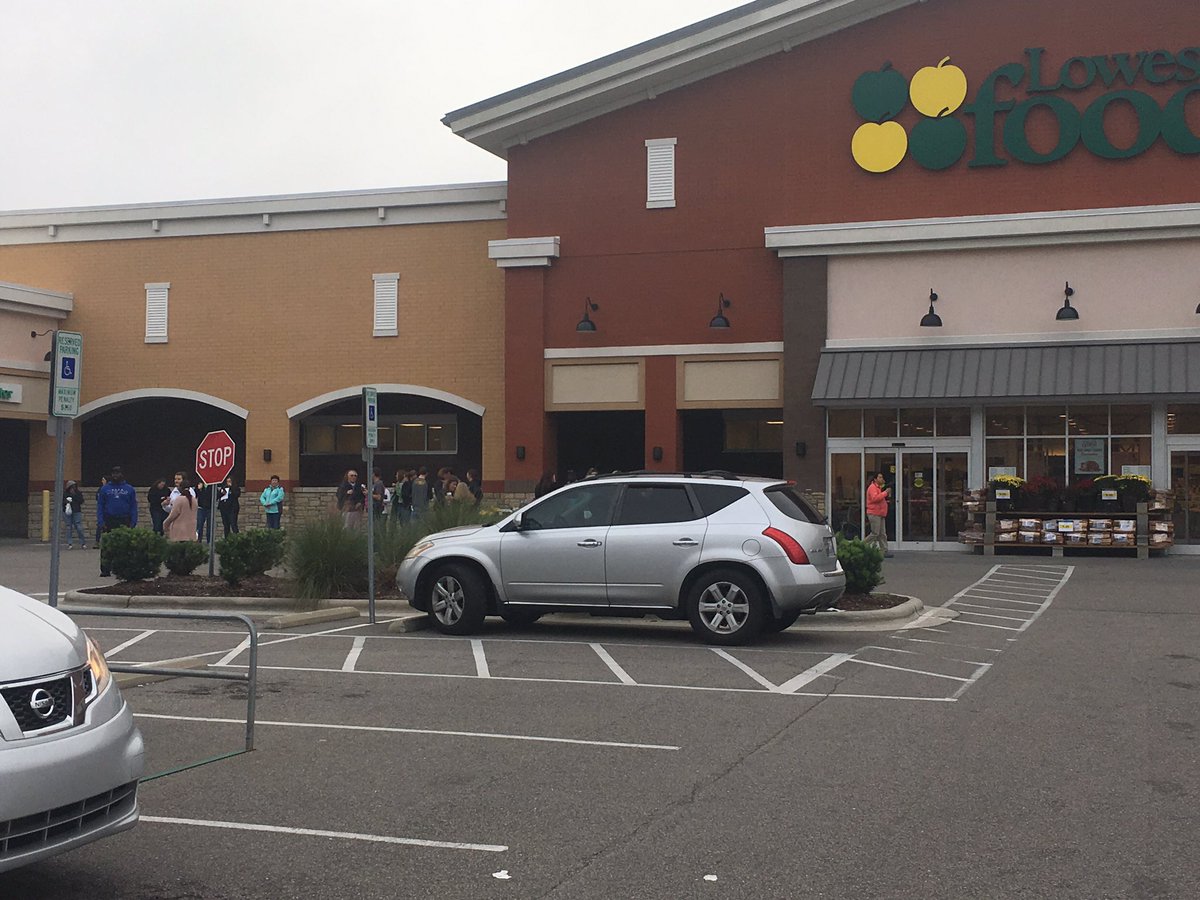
(264, 317)
(830, 166)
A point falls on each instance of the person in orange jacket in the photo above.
(878, 495)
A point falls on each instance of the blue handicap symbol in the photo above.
(370, 413)
(68, 367)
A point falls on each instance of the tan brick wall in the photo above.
(268, 321)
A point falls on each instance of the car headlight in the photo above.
(99, 667)
(419, 549)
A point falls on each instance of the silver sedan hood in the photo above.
(35, 639)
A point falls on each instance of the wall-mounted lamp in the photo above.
(34, 335)
(520, 451)
(657, 453)
(586, 323)
(801, 449)
(719, 320)
(1068, 313)
(931, 319)
(266, 456)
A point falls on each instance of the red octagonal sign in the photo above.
(214, 457)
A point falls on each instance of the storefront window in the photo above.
(879, 423)
(1005, 420)
(410, 437)
(1130, 419)
(954, 422)
(349, 439)
(1007, 453)
(753, 432)
(1130, 451)
(1046, 420)
(1183, 418)
(318, 438)
(1087, 420)
(845, 423)
(845, 480)
(442, 438)
(1045, 458)
(916, 423)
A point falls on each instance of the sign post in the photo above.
(371, 442)
(214, 462)
(65, 372)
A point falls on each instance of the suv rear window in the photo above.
(715, 497)
(789, 502)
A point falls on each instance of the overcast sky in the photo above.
(130, 101)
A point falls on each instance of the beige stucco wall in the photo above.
(268, 321)
(1119, 288)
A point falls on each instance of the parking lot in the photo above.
(587, 757)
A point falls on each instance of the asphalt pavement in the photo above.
(1041, 744)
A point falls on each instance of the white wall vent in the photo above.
(387, 289)
(156, 312)
(660, 173)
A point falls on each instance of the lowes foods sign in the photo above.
(939, 93)
(10, 393)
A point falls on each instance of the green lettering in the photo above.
(1188, 60)
(984, 110)
(1089, 73)
(1128, 68)
(1149, 117)
(1154, 60)
(1016, 141)
(1035, 72)
(1175, 130)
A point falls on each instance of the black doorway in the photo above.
(607, 441)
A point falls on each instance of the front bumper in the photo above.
(70, 788)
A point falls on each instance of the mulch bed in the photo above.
(214, 586)
(862, 602)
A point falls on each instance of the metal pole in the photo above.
(212, 525)
(60, 451)
(251, 683)
(371, 537)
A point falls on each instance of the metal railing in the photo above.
(250, 677)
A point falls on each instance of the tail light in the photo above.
(790, 546)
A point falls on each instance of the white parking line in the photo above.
(386, 729)
(769, 685)
(865, 662)
(481, 665)
(613, 665)
(1008, 573)
(313, 832)
(947, 644)
(988, 616)
(987, 596)
(960, 621)
(355, 652)
(129, 643)
(822, 668)
(231, 655)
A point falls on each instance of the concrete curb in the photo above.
(313, 617)
(251, 606)
(909, 614)
(411, 621)
(132, 679)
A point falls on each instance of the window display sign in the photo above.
(1089, 456)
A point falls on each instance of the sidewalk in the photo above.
(25, 567)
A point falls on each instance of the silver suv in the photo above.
(735, 556)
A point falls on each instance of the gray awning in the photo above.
(1060, 372)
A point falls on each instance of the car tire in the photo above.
(457, 600)
(516, 615)
(726, 607)
(774, 626)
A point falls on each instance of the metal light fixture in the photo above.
(719, 320)
(931, 319)
(1068, 313)
(586, 323)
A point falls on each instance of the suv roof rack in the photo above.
(647, 473)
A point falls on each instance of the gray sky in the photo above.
(129, 101)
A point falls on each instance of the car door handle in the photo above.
(685, 542)
(589, 543)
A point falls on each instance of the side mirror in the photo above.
(518, 522)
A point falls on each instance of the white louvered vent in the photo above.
(156, 312)
(387, 288)
(660, 173)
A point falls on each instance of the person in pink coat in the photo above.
(180, 523)
(878, 495)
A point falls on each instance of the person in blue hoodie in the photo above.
(116, 507)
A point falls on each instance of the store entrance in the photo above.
(925, 508)
(1185, 483)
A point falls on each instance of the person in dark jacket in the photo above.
(548, 482)
(475, 486)
(352, 499)
(99, 526)
(155, 498)
(203, 506)
(116, 507)
(229, 505)
(73, 514)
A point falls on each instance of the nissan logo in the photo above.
(42, 703)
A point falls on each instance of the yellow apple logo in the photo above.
(879, 147)
(937, 91)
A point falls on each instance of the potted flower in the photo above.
(1080, 497)
(1004, 489)
(1110, 484)
(1040, 494)
(1133, 489)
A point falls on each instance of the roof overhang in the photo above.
(35, 301)
(646, 70)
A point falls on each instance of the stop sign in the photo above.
(214, 457)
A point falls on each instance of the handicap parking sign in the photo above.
(67, 372)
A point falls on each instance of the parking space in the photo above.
(529, 761)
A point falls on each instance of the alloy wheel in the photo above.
(448, 600)
(724, 607)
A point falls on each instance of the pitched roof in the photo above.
(654, 67)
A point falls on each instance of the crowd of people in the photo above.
(411, 493)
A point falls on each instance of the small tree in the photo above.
(133, 554)
(249, 553)
(863, 564)
(182, 557)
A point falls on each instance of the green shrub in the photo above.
(327, 559)
(863, 564)
(182, 557)
(132, 554)
(249, 553)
